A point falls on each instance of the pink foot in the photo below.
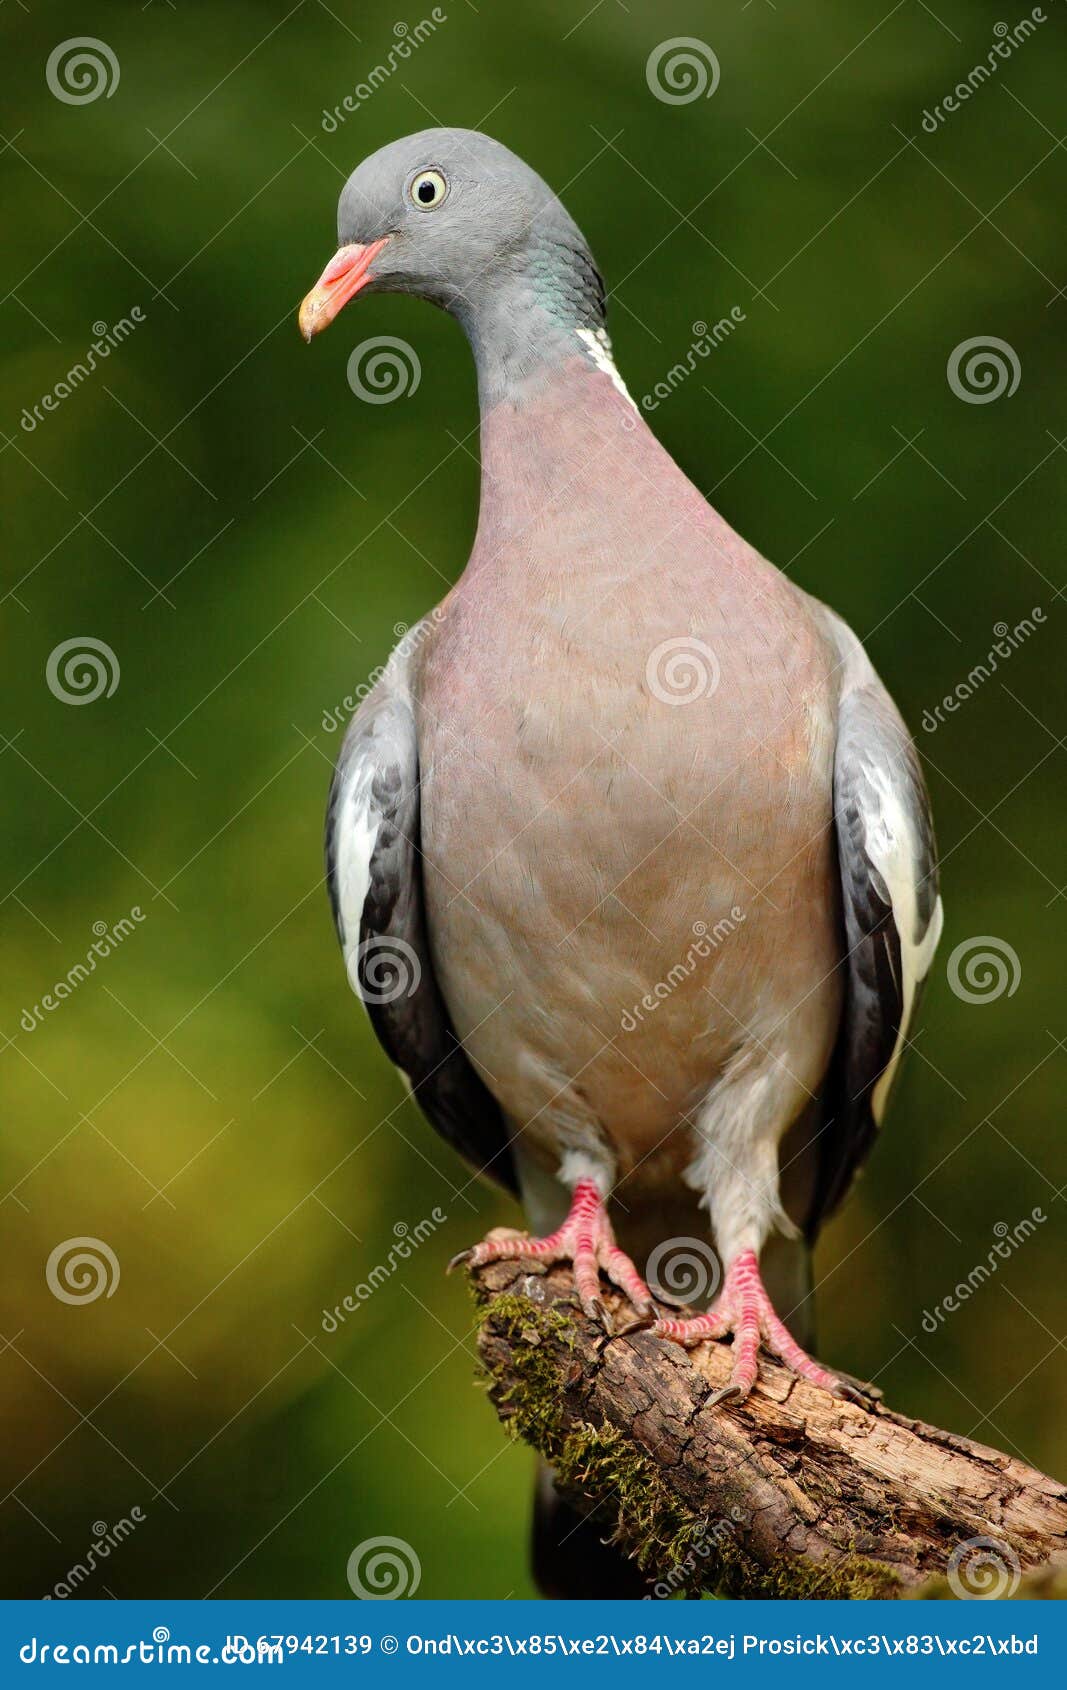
(586, 1239)
(744, 1311)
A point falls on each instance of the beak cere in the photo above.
(347, 272)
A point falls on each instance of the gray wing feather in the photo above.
(373, 872)
(892, 915)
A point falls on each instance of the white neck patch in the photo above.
(598, 346)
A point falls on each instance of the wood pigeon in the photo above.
(629, 850)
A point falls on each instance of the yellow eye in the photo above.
(428, 189)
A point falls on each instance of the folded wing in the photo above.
(892, 914)
(374, 874)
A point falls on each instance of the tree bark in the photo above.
(794, 1493)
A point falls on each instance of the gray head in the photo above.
(454, 217)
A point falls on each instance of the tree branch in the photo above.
(795, 1493)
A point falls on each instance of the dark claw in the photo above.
(596, 1311)
(854, 1393)
(871, 1392)
(728, 1393)
(640, 1323)
(463, 1256)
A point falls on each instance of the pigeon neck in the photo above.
(526, 322)
(561, 457)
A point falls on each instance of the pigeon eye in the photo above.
(428, 189)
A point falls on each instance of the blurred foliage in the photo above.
(245, 535)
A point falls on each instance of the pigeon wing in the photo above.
(374, 876)
(892, 915)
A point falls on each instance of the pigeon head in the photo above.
(451, 216)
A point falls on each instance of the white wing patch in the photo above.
(894, 850)
(357, 830)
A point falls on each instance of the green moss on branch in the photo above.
(537, 1385)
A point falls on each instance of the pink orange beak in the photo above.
(347, 272)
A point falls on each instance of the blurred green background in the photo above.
(216, 505)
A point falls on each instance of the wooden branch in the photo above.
(795, 1493)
